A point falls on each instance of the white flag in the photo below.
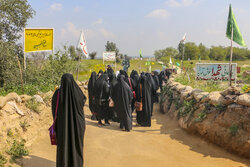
(170, 61)
(184, 38)
(83, 45)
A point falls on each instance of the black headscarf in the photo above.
(122, 97)
(110, 73)
(122, 72)
(70, 123)
(99, 73)
(91, 85)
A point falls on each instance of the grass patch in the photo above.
(33, 105)
(10, 132)
(201, 116)
(17, 150)
(24, 124)
(234, 129)
(3, 160)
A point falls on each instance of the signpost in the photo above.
(215, 71)
(109, 56)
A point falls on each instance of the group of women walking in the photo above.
(114, 96)
(111, 96)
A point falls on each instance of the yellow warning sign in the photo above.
(38, 39)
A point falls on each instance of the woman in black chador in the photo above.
(70, 123)
(145, 89)
(91, 85)
(122, 97)
(101, 97)
(135, 79)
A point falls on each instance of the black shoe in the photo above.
(93, 117)
(107, 123)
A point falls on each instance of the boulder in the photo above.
(194, 91)
(25, 98)
(231, 91)
(14, 106)
(243, 99)
(13, 97)
(3, 101)
(230, 99)
(199, 96)
(49, 94)
(215, 98)
(38, 98)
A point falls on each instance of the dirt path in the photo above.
(162, 145)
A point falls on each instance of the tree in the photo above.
(191, 51)
(92, 55)
(14, 15)
(204, 52)
(170, 51)
(217, 53)
(72, 52)
(111, 47)
(180, 49)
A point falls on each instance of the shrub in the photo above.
(233, 129)
(3, 160)
(10, 133)
(17, 150)
(246, 89)
(187, 109)
(24, 124)
(33, 105)
(201, 117)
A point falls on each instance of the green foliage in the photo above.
(191, 51)
(24, 124)
(92, 55)
(201, 116)
(33, 105)
(177, 103)
(204, 52)
(220, 107)
(111, 46)
(14, 16)
(17, 150)
(187, 109)
(246, 89)
(10, 132)
(234, 129)
(3, 160)
(218, 53)
(170, 51)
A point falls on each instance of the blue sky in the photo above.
(140, 24)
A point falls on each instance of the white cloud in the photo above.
(77, 9)
(98, 22)
(107, 34)
(56, 7)
(180, 3)
(159, 13)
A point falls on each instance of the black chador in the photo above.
(122, 97)
(144, 117)
(70, 123)
(91, 85)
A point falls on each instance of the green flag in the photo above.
(231, 24)
(178, 64)
(147, 63)
(140, 54)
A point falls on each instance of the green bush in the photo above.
(3, 160)
(24, 124)
(17, 150)
(33, 105)
(234, 129)
(187, 109)
(201, 117)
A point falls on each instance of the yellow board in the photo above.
(38, 39)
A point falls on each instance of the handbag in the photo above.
(111, 103)
(134, 95)
(52, 132)
(138, 105)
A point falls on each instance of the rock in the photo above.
(3, 101)
(179, 87)
(234, 107)
(13, 104)
(25, 98)
(78, 83)
(231, 91)
(38, 98)
(245, 74)
(215, 98)
(85, 87)
(200, 96)
(243, 99)
(13, 97)
(194, 91)
(230, 99)
(49, 94)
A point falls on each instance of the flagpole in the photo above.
(231, 56)
(77, 70)
(182, 56)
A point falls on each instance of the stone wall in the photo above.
(222, 118)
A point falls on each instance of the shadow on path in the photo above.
(195, 143)
(35, 161)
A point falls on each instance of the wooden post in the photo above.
(231, 57)
(21, 74)
(78, 64)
